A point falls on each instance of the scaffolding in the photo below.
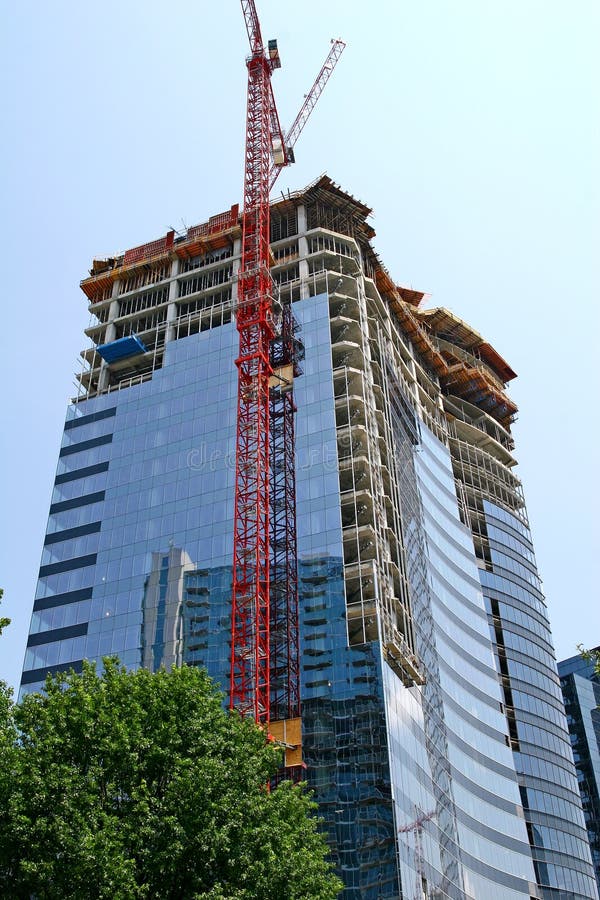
(144, 292)
(393, 365)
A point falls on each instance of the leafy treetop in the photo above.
(138, 785)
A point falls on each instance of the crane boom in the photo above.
(292, 135)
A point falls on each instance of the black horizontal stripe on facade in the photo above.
(79, 562)
(492, 834)
(516, 557)
(475, 609)
(474, 721)
(68, 533)
(521, 631)
(498, 876)
(466, 748)
(91, 417)
(471, 752)
(526, 748)
(556, 823)
(439, 509)
(62, 599)
(57, 634)
(34, 675)
(77, 501)
(472, 581)
(533, 690)
(482, 639)
(500, 572)
(495, 522)
(473, 787)
(487, 796)
(86, 445)
(469, 687)
(525, 717)
(85, 472)
(563, 861)
(487, 669)
(547, 671)
(547, 786)
(524, 606)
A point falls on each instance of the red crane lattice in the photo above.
(250, 604)
(266, 153)
(286, 353)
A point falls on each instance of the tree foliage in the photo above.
(139, 785)
(592, 656)
(3, 620)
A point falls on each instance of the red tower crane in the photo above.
(260, 461)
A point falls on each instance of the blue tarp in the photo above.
(125, 346)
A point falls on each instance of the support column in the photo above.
(235, 269)
(302, 252)
(110, 335)
(172, 307)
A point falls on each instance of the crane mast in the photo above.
(264, 670)
(286, 353)
(250, 677)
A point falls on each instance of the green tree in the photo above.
(592, 656)
(3, 620)
(132, 784)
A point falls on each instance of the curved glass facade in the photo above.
(462, 833)
(540, 740)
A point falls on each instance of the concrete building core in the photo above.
(433, 726)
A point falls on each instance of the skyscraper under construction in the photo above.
(432, 722)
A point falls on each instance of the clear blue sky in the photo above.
(471, 128)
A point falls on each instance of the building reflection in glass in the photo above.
(162, 610)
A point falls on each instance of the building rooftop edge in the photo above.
(423, 325)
